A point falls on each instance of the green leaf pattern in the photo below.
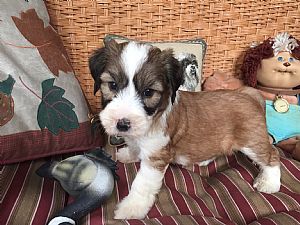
(56, 112)
(6, 100)
(6, 86)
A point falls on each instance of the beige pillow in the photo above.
(42, 107)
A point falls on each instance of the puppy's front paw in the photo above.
(268, 180)
(134, 207)
(125, 155)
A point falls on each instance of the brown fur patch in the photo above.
(107, 93)
(153, 101)
(207, 124)
(162, 159)
(153, 75)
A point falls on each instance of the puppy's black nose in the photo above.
(286, 64)
(123, 124)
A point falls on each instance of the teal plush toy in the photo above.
(89, 178)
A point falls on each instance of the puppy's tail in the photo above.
(254, 94)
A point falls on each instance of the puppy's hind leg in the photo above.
(267, 157)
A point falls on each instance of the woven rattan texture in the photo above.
(228, 27)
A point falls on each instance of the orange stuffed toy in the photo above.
(221, 80)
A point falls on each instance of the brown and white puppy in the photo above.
(162, 125)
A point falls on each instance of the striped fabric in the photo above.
(25, 198)
(220, 193)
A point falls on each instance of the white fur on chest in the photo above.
(148, 145)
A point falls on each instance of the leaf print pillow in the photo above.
(43, 110)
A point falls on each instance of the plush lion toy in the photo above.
(273, 67)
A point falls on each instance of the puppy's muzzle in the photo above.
(123, 125)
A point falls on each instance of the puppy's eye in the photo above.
(148, 93)
(113, 86)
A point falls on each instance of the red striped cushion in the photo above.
(220, 193)
(25, 197)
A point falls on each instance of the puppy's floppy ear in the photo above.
(97, 63)
(174, 71)
(98, 60)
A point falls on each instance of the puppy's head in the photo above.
(138, 82)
